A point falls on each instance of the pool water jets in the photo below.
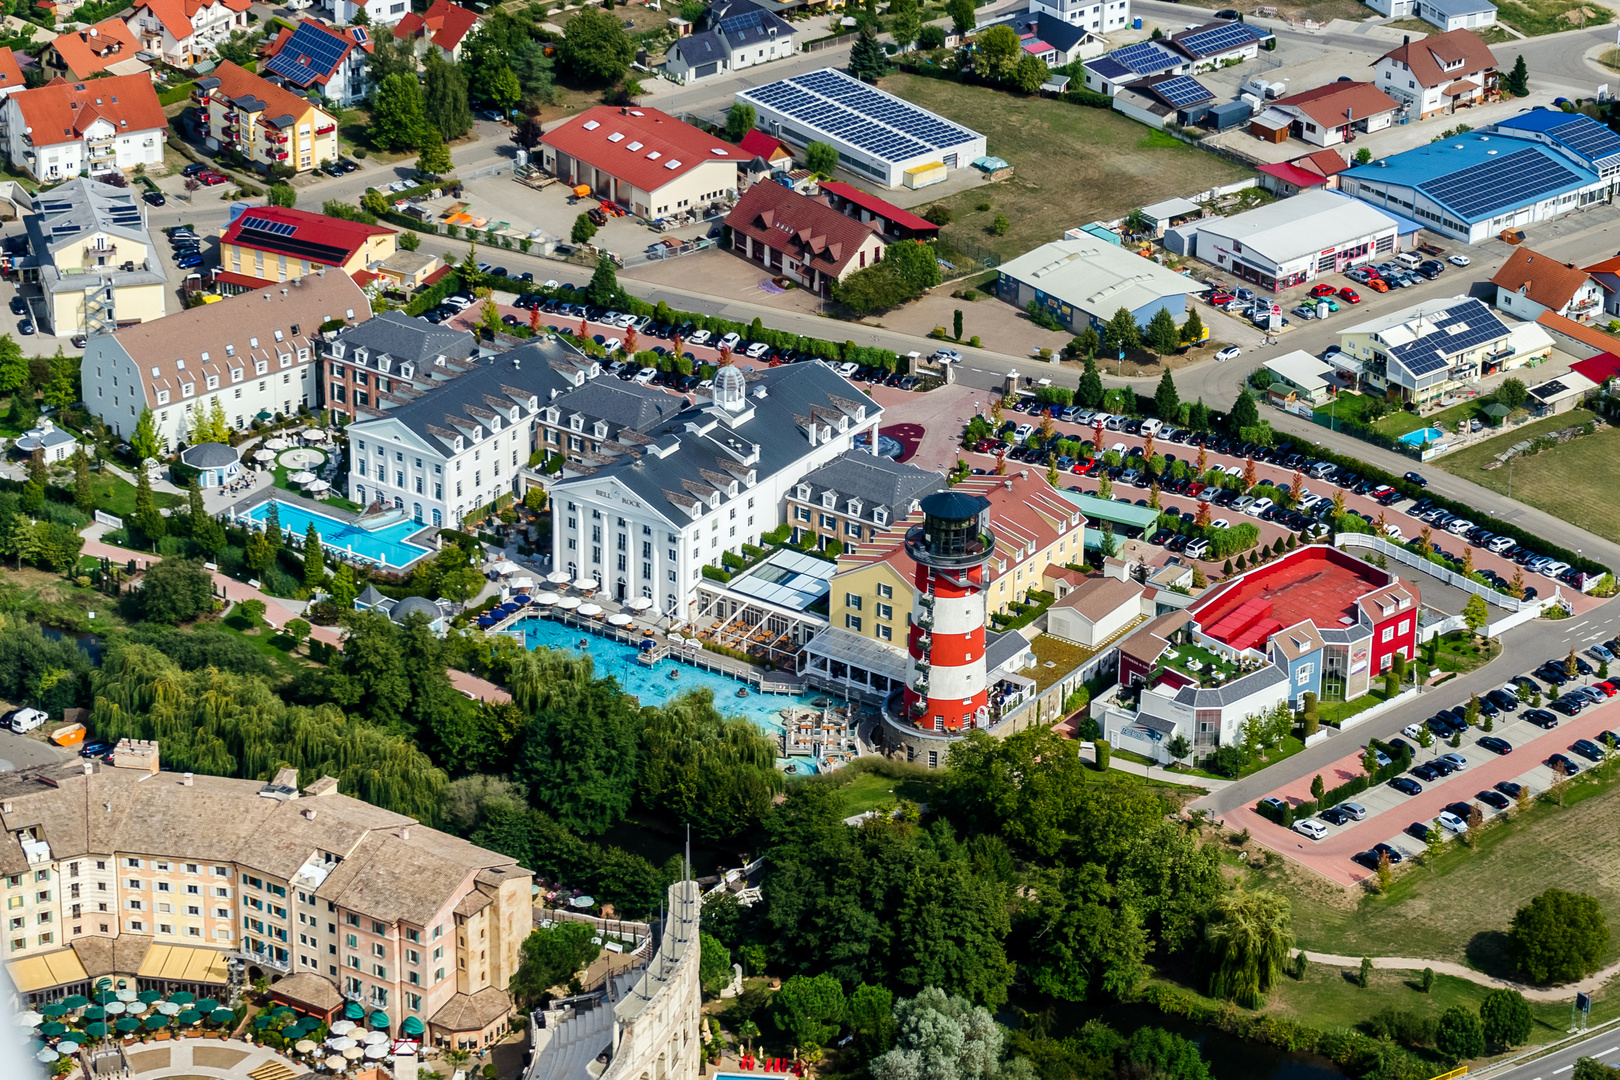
(1421, 436)
(653, 686)
(387, 546)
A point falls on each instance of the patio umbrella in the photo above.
(354, 1053)
(376, 1051)
(157, 1021)
(585, 584)
(28, 1019)
(301, 477)
(284, 1012)
(134, 1008)
(303, 1046)
(334, 1063)
(77, 1001)
(582, 901)
(569, 603)
(342, 1027)
(127, 995)
(102, 996)
(340, 1042)
(507, 566)
(67, 1046)
(182, 997)
(546, 599)
(52, 1009)
(590, 611)
(620, 620)
(46, 1056)
(264, 455)
(262, 1021)
(522, 581)
(264, 414)
(313, 433)
(150, 996)
(221, 1016)
(188, 1018)
(127, 1023)
(318, 485)
(116, 1008)
(640, 603)
(167, 1008)
(559, 577)
(374, 1037)
(277, 443)
(354, 1011)
(206, 1005)
(53, 1029)
(94, 1012)
(1496, 410)
(97, 1030)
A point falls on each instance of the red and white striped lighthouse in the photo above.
(945, 688)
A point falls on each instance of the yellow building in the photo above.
(265, 123)
(267, 245)
(93, 259)
(1035, 528)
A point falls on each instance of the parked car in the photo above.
(1451, 822)
(1541, 718)
(1231, 352)
(1457, 761)
(1406, 786)
(1312, 828)
(1494, 799)
(1495, 745)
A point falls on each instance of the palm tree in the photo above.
(749, 1031)
(1247, 933)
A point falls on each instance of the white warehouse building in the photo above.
(877, 135)
(1292, 241)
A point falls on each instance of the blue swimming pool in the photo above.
(1421, 436)
(387, 546)
(652, 685)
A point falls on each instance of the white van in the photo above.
(1151, 427)
(26, 720)
(1409, 259)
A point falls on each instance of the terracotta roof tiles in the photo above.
(1548, 282)
(62, 112)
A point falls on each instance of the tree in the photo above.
(821, 158)
(145, 441)
(281, 195)
(314, 558)
(1027, 77)
(1244, 413)
(528, 132)
(1163, 336)
(595, 47)
(396, 114)
(580, 752)
(1364, 974)
(505, 90)
(962, 15)
(1459, 1035)
(1318, 788)
(997, 53)
(941, 1037)
(714, 964)
(550, 957)
(1558, 937)
(930, 36)
(913, 261)
(1091, 392)
(871, 1020)
(1519, 80)
(716, 773)
(809, 1009)
(740, 120)
(1248, 936)
(1476, 615)
(13, 365)
(584, 229)
(1166, 400)
(434, 159)
(1592, 1069)
(148, 521)
(1179, 749)
(1506, 1018)
(604, 284)
(999, 226)
(84, 496)
(444, 99)
(296, 630)
(1512, 393)
(904, 23)
(1120, 333)
(174, 591)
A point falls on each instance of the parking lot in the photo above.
(1390, 813)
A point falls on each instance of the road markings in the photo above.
(1565, 1069)
(1610, 1050)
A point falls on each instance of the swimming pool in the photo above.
(1421, 436)
(652, 685)
(387, 546)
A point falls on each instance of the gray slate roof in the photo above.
(412, 605)
(621, 404)
(1002, 647)
(209, 455)
(701, 48)
(876, 481)
(65, 215)
(404, 339)
(1236, 690)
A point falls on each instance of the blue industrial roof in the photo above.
(1583, 137)
(1477, 177)
(1538, 119)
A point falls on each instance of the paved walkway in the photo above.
(229, 1059)
(1567, 992)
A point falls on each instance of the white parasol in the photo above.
(585, 584)
(264, 455)
(303, 1046)
(546, 599)
(507, 566)
(620, 620)
(168, 1008)
(136, 1007)
(313, 434)
(116, 1008)
(46, 1056)
(522, 581)
(303, 477)
(342, 1027)
(569, 603)
(126, 996)
(374, 1037)
(277, 443)
(318, 485)
(640, 603)
(354, 1053)
(559, 577)
(340, 1042)
(67, 1046)
(589, 611)
(335, 1063)
(376, 1051)
(29, 1019)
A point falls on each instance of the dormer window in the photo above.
(285, 358)
(880, 515)
(601, 429)
(213, 382)
(855, 507)
(552, 416)
(829, 499)
(577, 422)
(260, 367)
(236, 374)
(187, 388)
(803, 493)
(714, 501)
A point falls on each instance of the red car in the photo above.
(1608, 688)
(1350, 295)
(1322, 290)
(210, 178)
(1220, 298)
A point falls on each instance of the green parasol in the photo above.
(262, 1021)
(126, 1023)
(95, 1012)
(103, 995)
(75, 1001)
(53, 1009)
(222, 1016)
(189, 1017)
(149, 996)
(206, 1005)
(96, 1030)
(183, 997)
(53, 1029)
(156, 1022)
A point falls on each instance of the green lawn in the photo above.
(1574, 482)
(1071, 164)
(274, 645)
(1460, 652)
(116, 495)
(1398, 421)
(281, 472)
(870, 790)
(1337, 712)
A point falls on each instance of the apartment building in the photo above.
(93, 258)
(255, 354)
(109, 47)
(184, 32)
(390, 359)
(332, 61)
(62, 129)
(178, 881)
(269, 244)
(263, 120)
(855, 497)
(444, 26)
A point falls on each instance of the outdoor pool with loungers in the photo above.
(387, 545)
(1421, 436)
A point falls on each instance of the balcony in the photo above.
(925, 620)
(919, 707)
(327, 130)
(919, 686)
(925, 600)
(923, 664)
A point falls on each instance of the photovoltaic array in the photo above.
(878, 123)
(1218, 39)
(1589, 139)
(1457, 329)
(309, 54)
(1147, 58)
(274, 228)
(1183, 91)
(1509, 180)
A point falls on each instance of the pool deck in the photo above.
(426, 537)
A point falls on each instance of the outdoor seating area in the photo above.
(78, 1024)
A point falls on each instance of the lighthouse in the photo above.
(945, 686)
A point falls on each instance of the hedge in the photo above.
(176, 94)
(1495, 525)
(1227, 542)
(1286, 815)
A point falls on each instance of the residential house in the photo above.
(1336, 113)
(1058, 41)
(263, 121)
(1093, 16)
(802, 238)
(185, 32)
(1530, 283)
(1426, 351)
(1221, 43)
(1299, 375)
(391, 359)
(737, 34)
(1451, 15)
(1106, 74)
(1607, 275)
(653, 163)
(1317, 170)
(93, 258)
(108, 46)
(1163, 99)
(63, 129)
(378, 12)
(255, 354)
(856, 496)
(164, 880)
(1437, 72)
(315, 56)
(773, 152)
(11, 81)
(444, 26)
(268, 244)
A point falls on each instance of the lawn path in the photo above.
(1588, 985)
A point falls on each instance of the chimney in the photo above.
(309, 814)
(5, 807)
(89, 767)
(405, 833)
(185, 780)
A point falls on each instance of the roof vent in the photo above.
(617, 136)
(185, 780)
(591, 125)
(672, 164)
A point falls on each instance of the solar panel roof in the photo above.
(1589, 139)
(275, 228)
(1446, 333)
(310, 54)
(1507, 180)
(1217, 39)
(1183, 91)
(1147, 58)
(1108, 68)
(878, 123)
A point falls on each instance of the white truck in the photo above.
(25, 720)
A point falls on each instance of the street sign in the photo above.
(1583, 1002)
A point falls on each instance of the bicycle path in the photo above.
(1566, 992)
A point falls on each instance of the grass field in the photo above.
(1460, 908)
(870, 790)
(1071, 164)
(1533, 17)
(117, 495)
(1398, 422)
(1574, 482)
(276, 647)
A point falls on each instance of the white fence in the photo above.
(1411, 558)
(1378, 710)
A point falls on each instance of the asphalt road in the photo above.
(1604, 1046)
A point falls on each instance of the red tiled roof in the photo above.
(1323, 162)
(438, 275)
(1600, 368)
(758, 144)
(90, 50)
(883, 209)
(1580, 332)
(350, 236)
(230, 277)
(651, 148)
(61, 112)
(1292, 174)
(1545, 280)
(806, 228)
(176, 15)
(11, 75)
(1340, 103)
(238, 82)
(1427, 57)
(445, 24)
